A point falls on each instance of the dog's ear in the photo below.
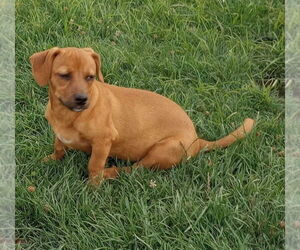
(41, 63)
(97, 59)
(98, 65)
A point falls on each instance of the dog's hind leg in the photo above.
(163, 155)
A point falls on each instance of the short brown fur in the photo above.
(130, 124)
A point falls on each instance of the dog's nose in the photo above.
(80, 98)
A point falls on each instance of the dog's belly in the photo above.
(132, 150)
(126, 155)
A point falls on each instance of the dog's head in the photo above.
(70, 72)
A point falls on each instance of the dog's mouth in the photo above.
(78, 109)
(74, 107)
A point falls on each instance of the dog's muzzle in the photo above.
(79, 103)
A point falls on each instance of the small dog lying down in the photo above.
(106, 120)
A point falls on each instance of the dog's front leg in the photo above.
(100, 152)
(59, 151)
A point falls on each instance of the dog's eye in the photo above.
(65, 76)
(90, 78)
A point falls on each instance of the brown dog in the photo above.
(106, 120)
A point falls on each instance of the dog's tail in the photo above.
(227, 140)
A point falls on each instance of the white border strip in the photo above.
(7, 124)
(292, 130)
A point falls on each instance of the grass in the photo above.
(222, 61)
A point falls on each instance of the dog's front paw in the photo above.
(96, 180)
(58, 155)
(111, 173)
(49, 158)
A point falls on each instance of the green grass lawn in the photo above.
(222, 61)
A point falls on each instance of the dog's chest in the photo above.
(66, 140)
(72, 138)
(67, 136)
(67, 133)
